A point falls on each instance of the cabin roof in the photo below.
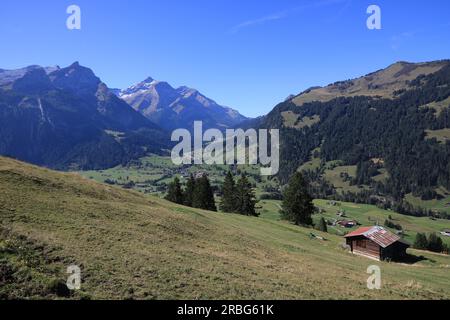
(377, 234)
(358, 232)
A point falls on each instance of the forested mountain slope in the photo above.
(67, 118)
(390, 129)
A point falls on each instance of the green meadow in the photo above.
(130, 245)
(153, 173)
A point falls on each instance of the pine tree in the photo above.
(322, 225)
(435, 243)
(175, 194)
(245, 197)
(203, 195)
(445, 248)
(189, 192)
(228, 202)
(421, 241)
(297, 204)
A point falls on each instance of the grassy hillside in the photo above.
(134, 246)
(339, 177)
(382, 83)
(152, 174)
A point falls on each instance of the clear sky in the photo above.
(247, 54)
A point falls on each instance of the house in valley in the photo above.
(376, 243)
(347, 223)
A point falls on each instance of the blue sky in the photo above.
(247, 54)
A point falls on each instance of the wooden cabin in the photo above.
(376, 243)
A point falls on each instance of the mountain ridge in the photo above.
(174, 108)
(383, 82)
(398, 116)
(57, 117)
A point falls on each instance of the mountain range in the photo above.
(173, 108)
(67, 118)
(382, 138)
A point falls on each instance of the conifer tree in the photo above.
(189, 192)
(203, 195)
(245, 197)
(228, 201)
(322, 225)
(297, 204)
(421, 241)
(175, 194)
(435, 243)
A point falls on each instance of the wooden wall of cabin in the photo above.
(366, 247)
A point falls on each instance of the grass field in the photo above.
(366, 215)
(442, 204)
(152, 174)
(291, 120)
(442, 135)
(335, 177)
(438, 106)
(335, 174)
(314, 163)
(132, 245)
(382, 83)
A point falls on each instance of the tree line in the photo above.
(237, 197)
(431, 243)
(198, 193)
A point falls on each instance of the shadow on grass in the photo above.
(412, 259)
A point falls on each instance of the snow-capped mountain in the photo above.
(173, 108)
(67, 118)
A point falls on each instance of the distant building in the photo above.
(347, 223)
(376, 243)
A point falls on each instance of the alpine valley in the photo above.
(86, 179)
(67, 118)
